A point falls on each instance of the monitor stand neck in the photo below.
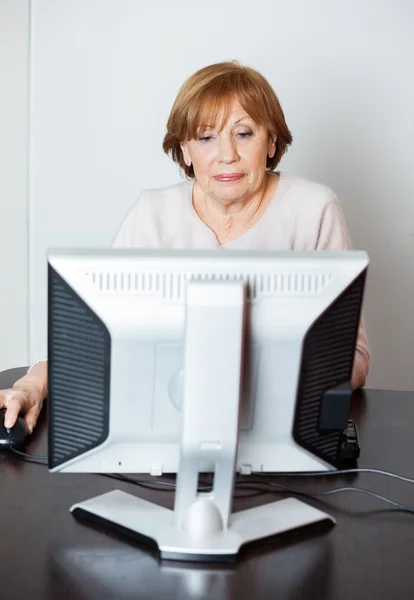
(201, 527)
(213, 360)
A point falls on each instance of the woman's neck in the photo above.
(230, 221)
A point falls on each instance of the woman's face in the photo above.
(230, 165)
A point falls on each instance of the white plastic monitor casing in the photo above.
(140, 295)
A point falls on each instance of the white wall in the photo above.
(14, 55)
(105, 75)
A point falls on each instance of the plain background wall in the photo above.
(14, 61)
(104, 76)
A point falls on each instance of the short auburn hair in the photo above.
(211, 89)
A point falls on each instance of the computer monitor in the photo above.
(187, 361)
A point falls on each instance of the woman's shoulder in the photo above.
(153, 216)
(161, 198)
(312, 212)
(305, 194)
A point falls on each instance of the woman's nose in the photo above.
(227, 150)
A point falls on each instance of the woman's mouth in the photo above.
(229, 177)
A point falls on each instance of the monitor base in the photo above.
(146, 521)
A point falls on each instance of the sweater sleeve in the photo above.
(333, 235)
(141, 225)
(125, 235)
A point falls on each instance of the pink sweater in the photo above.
(302, 215)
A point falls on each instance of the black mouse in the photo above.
(18, 433)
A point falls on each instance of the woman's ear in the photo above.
(186, 154)
(271, 151)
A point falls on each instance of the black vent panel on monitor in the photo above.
(327, 360)
(78, 374)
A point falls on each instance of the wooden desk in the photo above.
(45, 554)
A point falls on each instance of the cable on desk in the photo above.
(20, 453)
(31, 456)
(155, 484)
(171, 486)
(337, 472)
(145, 483)
(338, 491)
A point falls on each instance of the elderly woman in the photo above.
(227, 131)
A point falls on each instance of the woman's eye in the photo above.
(244, 134)
(205, 138)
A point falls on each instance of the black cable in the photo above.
(296, 475)
(145, 483)
(152, 484)
(171, 486)
(31, 456)
(148, 484)
(337, 472)
(341, 490)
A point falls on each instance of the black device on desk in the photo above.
(349, 449)
(15, 436)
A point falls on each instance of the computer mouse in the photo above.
(18, 433)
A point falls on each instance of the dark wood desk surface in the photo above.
(46, 554)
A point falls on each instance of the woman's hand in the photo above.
(24, 397)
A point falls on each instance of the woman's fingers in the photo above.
(31, 417)
(13, 404)
(16, 400)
